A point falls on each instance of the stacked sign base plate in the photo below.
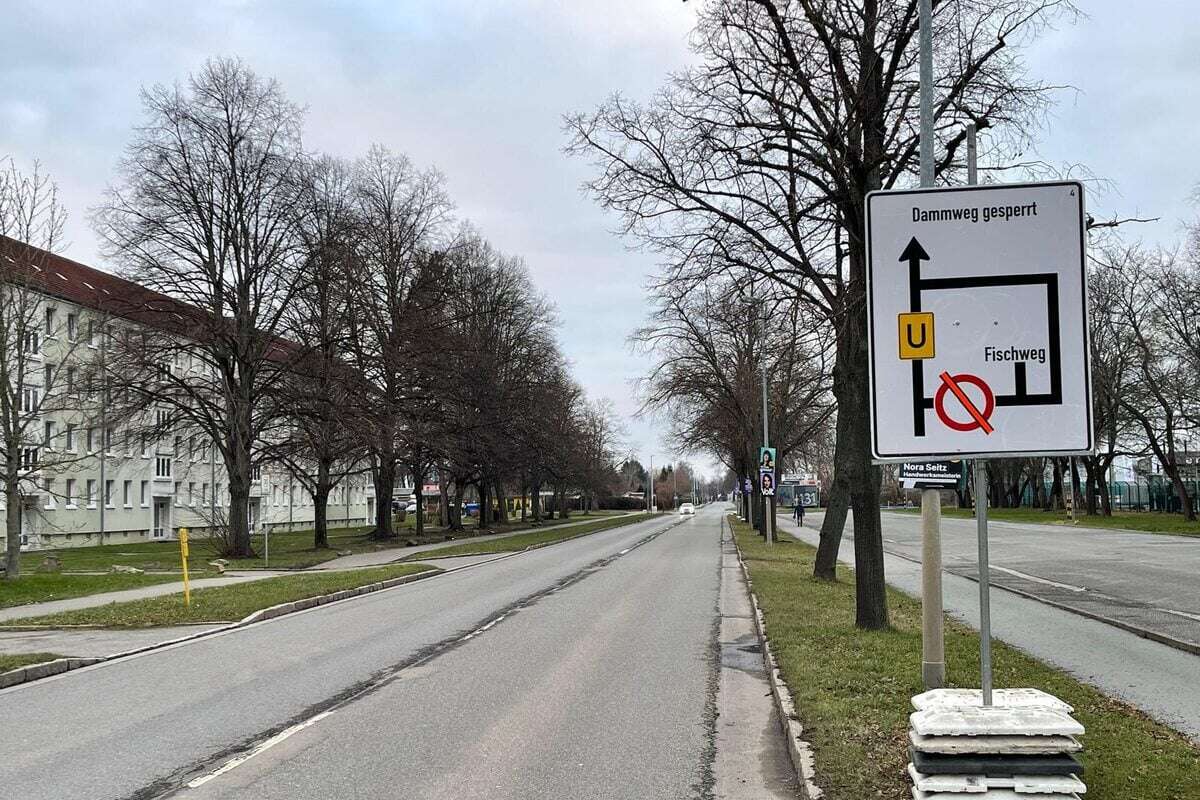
(1022, 746)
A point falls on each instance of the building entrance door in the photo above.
(162, 518)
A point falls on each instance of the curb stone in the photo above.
(800, 752)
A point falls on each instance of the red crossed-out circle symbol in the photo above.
(979, 418)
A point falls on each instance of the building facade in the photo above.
(94, 478)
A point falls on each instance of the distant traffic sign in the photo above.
(995, 275)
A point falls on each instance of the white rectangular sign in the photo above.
(977, 305)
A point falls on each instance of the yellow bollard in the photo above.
(183, 552)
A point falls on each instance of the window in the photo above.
(127, 494)
(29, 400)
(71, 380)
(110, 436)
(91, 440)
(145, 494)
(218, 498)
(50, 321)
(162, 467)
(176, 493)
(178, 447)
(145, 446)
(72, 327)
(69, 495)
(91, 334)
(48, 434)
(29, 458)
(191, 493)
(70, 437)
(162, 421)
(32, 342)
(108, 494)
(203, 493)
(91, 493)
(48, 487)
(47, 377)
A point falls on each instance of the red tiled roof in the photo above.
(89, 287)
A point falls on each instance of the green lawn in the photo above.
(1147, 521)
(222, 603)
(536, 538)
(16, 661)
(852, 688)
(43, 587)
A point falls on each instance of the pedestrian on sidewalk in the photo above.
(798, 511)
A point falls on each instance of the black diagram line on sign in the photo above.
(914, 254)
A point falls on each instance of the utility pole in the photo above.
(933, 650)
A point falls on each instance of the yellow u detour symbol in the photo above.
(916, 335)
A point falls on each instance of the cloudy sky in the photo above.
(478, 87)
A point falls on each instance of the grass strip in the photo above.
(221, 603)
(1144, 521)
(44, 587)
(852, 688)
(525, 541)
(9, 661)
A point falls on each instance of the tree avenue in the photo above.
(757, 162)
(329, 318)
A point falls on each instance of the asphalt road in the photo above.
(1158, 679)
(586, 669)
(1145, 580)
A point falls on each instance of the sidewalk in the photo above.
(382, 557)
(103, 599)
(357, 561)
(1155, 678)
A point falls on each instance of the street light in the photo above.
(768, 516)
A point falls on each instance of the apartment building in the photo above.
(94, 478)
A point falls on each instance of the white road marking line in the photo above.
(1181, 613)
(1044, 581)
(269, 743)
(623, 552)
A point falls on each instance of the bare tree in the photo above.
(1161, 394)
(31, 223)
(319, 446)
(761, 157)
(399, 284)
(204, 214)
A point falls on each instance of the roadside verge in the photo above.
(851, 688)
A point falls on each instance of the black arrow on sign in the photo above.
(914, 254)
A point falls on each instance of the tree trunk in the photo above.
(321, 506)
(12, 518)
(443, 500)
(418, 476)
(485, 505)
(384, 476)
(564, 512)
(1105, 498)
(1055, 501)
(456, 522)
(501, 504)
(535, 493)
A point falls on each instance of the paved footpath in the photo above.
(356, 561)
(588, 669)
(1156, 678)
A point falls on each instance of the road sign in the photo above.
(930, 474)
(995, 275)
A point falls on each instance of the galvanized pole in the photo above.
(925, 9)
(985, 603)
(933, 655)
(933, 645)
(768, 502)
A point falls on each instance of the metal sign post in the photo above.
(985, 597)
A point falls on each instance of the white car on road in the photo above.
(687, 508)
